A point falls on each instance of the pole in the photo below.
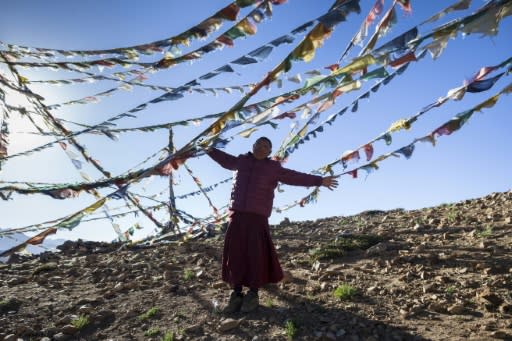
(172, 202)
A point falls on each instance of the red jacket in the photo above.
(255, 180)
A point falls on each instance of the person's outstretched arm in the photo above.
(294, 178)
(330, 182)
(226, 160)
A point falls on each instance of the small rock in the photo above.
(85, 309)
(500, 334)
(340, 332)
(287, 277)
(218, 285)
(194, 329)
(69, 329)
(437, 307)
(105, 314)
(484, 244)
(61, 337)
(330, 336)
(404, 313)
(418, 227)
(456, 309)
(371, 289)
(505, 308)
(16, 281)
(430, 287)
(433, 221)
(334, 269)
(228, 324)
(45, 268)
(488, 297)
(12, 304)
(10, 337)
(377, 249)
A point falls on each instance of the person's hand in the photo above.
(330, 182)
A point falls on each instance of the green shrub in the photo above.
(487, 232)
(80, 322)
(169, 336)
(291, 329)
(188, 275)
(345, 292)
(343, 244)
(153, 331)
(149, 314)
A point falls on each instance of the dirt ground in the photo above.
(440, 273)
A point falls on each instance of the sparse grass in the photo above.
(420, 221)
(359, 221)
(310, 297)
(452, 214)
(180, 315)
(345, 292)
(343, 221)
(153, 331)
(486, 233)
(291, 329)
(149, 314)
(168, 336)
(268, 302)
(188, 275)
(450, 290)
(80, 322)
(343, 244)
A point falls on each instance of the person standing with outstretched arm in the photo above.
(249, 257)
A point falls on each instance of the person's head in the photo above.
(262, 148)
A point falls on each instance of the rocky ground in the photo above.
(441, 273)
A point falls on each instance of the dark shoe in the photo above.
(251, 301)
(234, 304)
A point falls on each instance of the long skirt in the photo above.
(249, 257)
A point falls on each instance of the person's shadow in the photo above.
(331, 323)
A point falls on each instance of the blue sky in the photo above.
(471, 162)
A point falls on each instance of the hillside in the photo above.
(440, 273)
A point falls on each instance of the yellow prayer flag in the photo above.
(489, 103)
(304, 51)
(508, 89)
(216, 127)
(247, 133)
(247, 27)
(95, 206)
(23, 80)
(318, 34)
(303, 131)
(351, 86)
(399, 125)
(506, 10)
(357, 64)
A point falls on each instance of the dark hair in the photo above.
(266, 139)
